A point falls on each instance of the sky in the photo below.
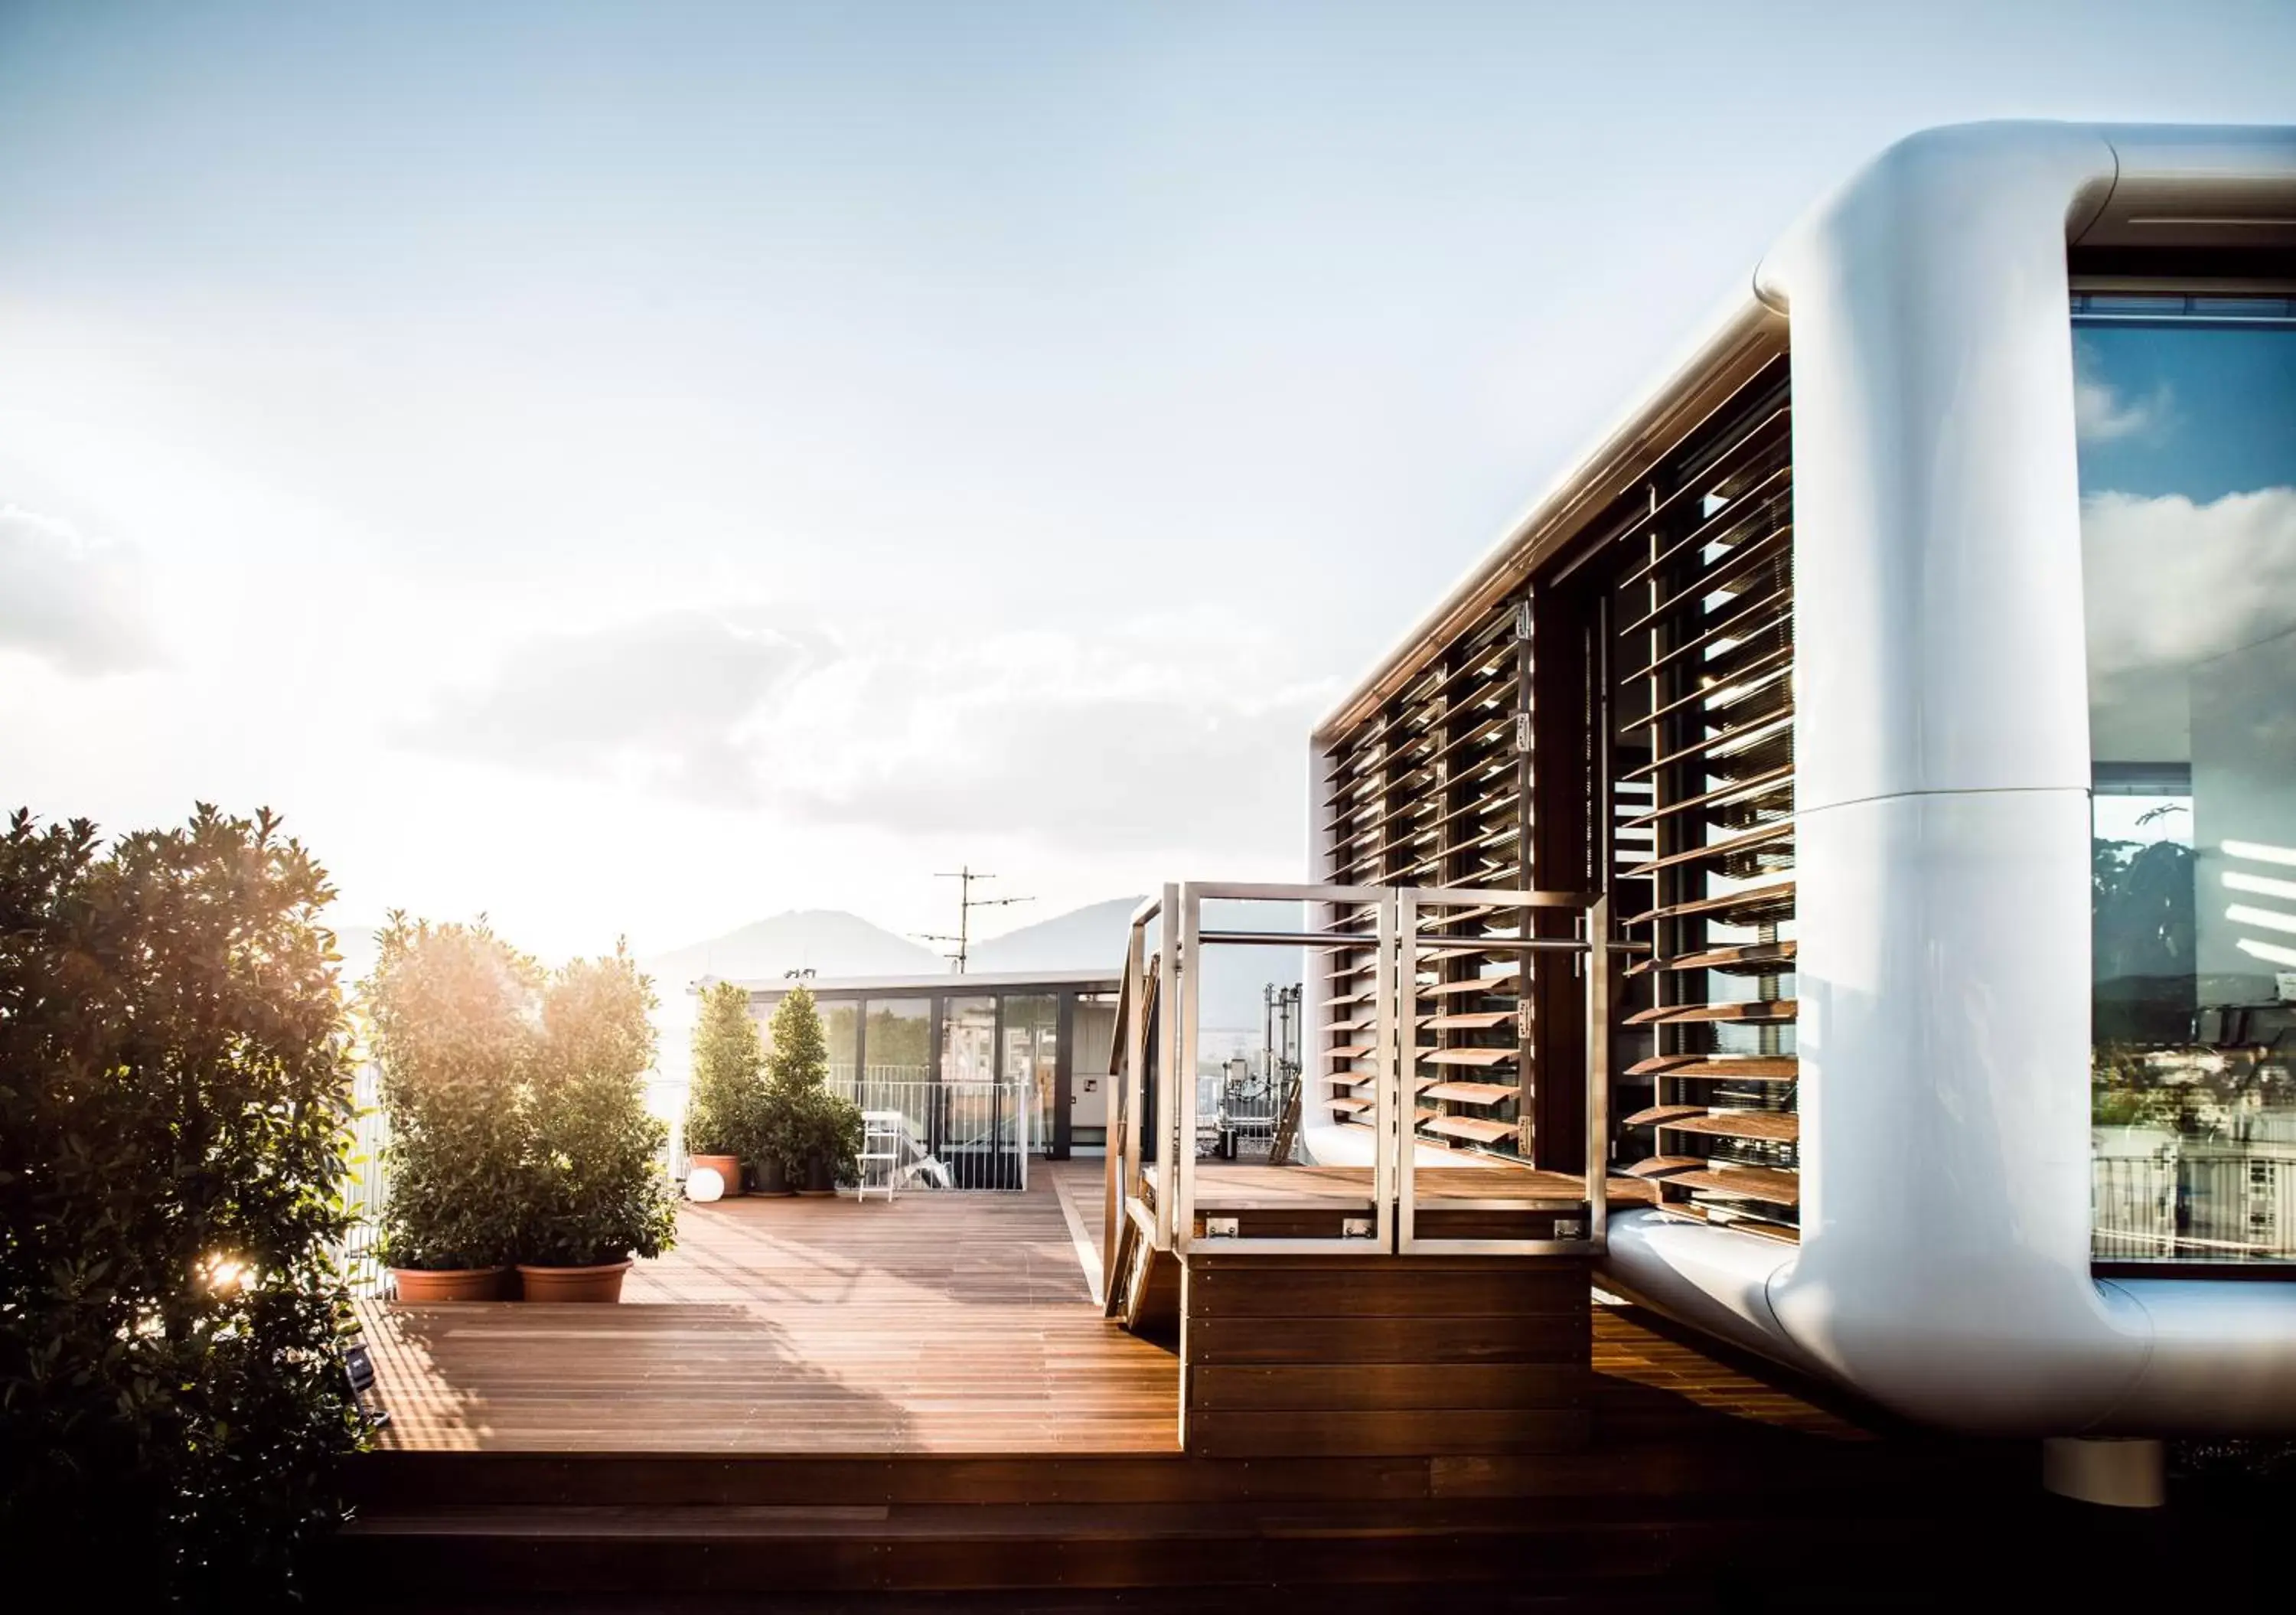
(631, 470)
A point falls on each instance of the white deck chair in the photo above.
(882, 1134)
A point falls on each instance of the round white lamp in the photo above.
(705, 1184)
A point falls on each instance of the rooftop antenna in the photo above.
(966, 904)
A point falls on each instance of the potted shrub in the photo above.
(449, 1011)
(814, 1134)
(828, 1142)
(770, 1146)
(722, 1109)
(592, 1193)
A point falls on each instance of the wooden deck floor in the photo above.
(949, 1323)
(936, 1324)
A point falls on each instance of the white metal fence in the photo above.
(362, 1190)
(958, 1135)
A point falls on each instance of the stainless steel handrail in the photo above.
(1398, 943)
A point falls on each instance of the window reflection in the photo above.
(840, 1028)
(898, 1044)
(968, 1047)
(1032, 1025)
(2186, 412)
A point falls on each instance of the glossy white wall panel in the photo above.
(1711, 1278)
(2180, 188)
(1944, 1040)
(1942, 762)
(1942, 765)
(2219, 1357)
(1937, 533)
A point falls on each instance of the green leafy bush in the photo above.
(827, 1126)
(517, 1104)
(593, 1190)
(175, 1095)
(455, 1020)
(723, 1108)
(804, 1121)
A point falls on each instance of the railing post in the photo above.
(1384, 1107)
(1123, 1144)
(1598, 1069)
(1405, 1145)
(1167, 1038)
(1190, 926)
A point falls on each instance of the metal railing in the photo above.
(958, 1135)
(363, 1190)
(1158, 1049)
(971, 1135)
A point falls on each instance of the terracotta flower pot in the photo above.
(773, 1177)
(602, 1282)
(727, 1166)
(820, 1176)
(423, 1285)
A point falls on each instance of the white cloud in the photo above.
(2102, 415)
(73, 601)
(2169, 582)
(1156, 736)
(665, 701)
(1159, 735)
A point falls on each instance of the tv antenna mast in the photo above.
(966, 904)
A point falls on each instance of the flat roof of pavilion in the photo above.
(911, 987)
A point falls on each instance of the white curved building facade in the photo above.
(1916, 671)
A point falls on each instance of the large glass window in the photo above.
(969, 1040)
(840, 1028)
(1093, 1043)
(2187, 409)
(1032, 1024)
(898, 1041)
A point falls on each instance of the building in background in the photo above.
(957, 1053)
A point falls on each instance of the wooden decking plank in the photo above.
(939, 1323)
